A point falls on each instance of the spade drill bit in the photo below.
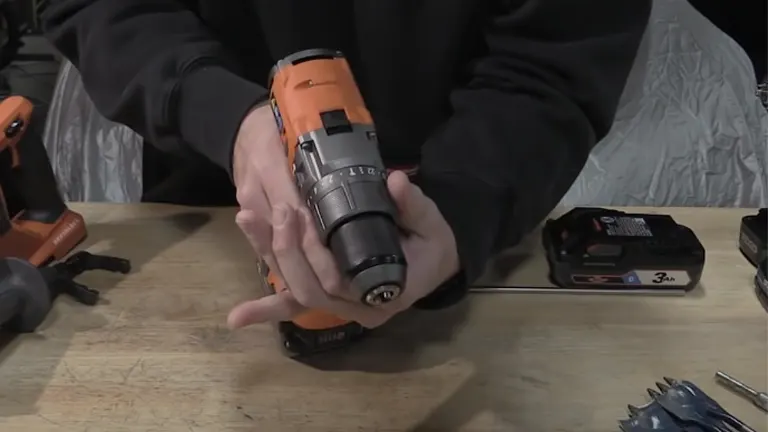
(760, 399)
(688, 403)
(680, 406)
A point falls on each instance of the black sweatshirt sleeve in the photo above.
(153, 66)
(523, 127)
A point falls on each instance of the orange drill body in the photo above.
(45, 230)
(306, 89)
(332, 148)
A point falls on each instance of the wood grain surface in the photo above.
(156, 355)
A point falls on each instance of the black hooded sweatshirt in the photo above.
(498, 101)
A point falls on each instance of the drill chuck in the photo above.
(331, 142)
(367, 249)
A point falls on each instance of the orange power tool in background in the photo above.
(39, 228)
(331, 143)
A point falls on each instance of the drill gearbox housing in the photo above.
(332, 147)
(596, 248)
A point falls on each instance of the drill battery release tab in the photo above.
(753, 236)
(599, 248)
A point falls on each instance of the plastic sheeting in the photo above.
(94, 159)
(689, 130)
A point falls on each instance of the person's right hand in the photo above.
(262, 177)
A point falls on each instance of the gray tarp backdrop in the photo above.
(689, 131)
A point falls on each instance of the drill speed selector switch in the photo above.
(595, 248)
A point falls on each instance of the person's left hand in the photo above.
(310, 272)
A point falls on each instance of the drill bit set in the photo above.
(681, 406)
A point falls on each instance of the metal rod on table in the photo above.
(554, 290)
(759, 399)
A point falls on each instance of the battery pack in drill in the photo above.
(301, 342)
(753, 236)
(310, 333)
(596, 248)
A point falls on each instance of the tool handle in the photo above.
(10, 305)
(36, 181)
(25, 298)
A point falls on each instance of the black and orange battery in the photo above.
(753, 236)
(597, 249)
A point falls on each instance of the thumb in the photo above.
(418, 214)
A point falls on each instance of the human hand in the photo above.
(309, 269)
(262, 177)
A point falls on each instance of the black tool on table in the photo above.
(753, 236)
(753, 244)
(681, 406)
(27, 292)
(596, 249)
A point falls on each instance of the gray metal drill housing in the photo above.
(342, 179)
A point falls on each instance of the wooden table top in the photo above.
(156, 355)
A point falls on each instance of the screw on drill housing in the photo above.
(381, 295)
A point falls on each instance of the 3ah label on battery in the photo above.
(637, 277)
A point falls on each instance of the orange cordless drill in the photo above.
(332, 147)
(40, 229)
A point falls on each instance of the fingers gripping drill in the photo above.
(331, 143)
